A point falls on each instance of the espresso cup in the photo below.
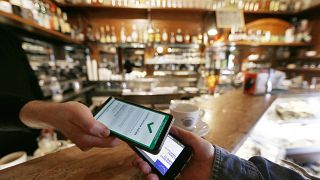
(186, 115)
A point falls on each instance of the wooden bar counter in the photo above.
(230, 116)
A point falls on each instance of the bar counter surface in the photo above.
(230, 116)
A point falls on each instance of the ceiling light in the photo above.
(212, 32)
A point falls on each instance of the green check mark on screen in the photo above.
(149, 127)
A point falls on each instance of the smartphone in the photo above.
(170, 161)
(137, 125)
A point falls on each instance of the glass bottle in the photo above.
(172, 39)
(158, 36)
(113, 35)
(97, 35)
(145, 36)
(123, 36)
(187, 38)
(67, 27)
(103, 35)
(165, 36)
(179, 37)
(55, 18)
(200, 37)
(108, 34)
(151, 36)
(134, 34)
(60, 19)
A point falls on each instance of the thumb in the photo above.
(99, 129)
(186, 136)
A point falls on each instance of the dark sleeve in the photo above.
(228, 166)
(10, 107)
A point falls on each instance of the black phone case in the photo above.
(175, 169)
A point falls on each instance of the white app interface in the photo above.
(165, 158)
(140, 125)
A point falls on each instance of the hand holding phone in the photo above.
(137, 125)
(199, 166)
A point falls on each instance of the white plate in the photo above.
(202, 128)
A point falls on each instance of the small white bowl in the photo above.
(13, 159)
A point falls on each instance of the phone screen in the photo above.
(134, 123)
(171, 149)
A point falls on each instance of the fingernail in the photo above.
(105, 132)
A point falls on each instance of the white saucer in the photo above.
(201, 129)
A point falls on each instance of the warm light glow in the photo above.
(150, 29)
(253, 57)
(160, 50)
(212, 32)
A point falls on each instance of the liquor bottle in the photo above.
(194, 39)
(123, 36)
(169, 3)
(277, 5)
(205, 38)
(67, 27)
(165, 36)
(157, 36)
(60, 19)
(55, 20)
(103, 35)
(164, 3)
(247, 5)
(251, 5)
(97, 36)
(172, 38)
(134, 34)
(108, 34)
(200, 37)
(187, 38)
(46, 18)
(267, 5)
(89, 35)
(145, 36)
(35, 11)
(240, 4)
(151, 36)
(256, 5)
(297, 5)
(113, 2)
(50, 15)
(179, 37)
(113, 35)
(140, 36)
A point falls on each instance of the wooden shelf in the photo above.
(33, 27)
(265, 12)
(199, 10)
(300, 70)
(257, 44)
(140, 7)
(285, 59)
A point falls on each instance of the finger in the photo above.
(81, 116)
(144, 167)
(186, 136)
(152, 177)
(94, 127)
(88, 141)
(173, 130)
(137, 161)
